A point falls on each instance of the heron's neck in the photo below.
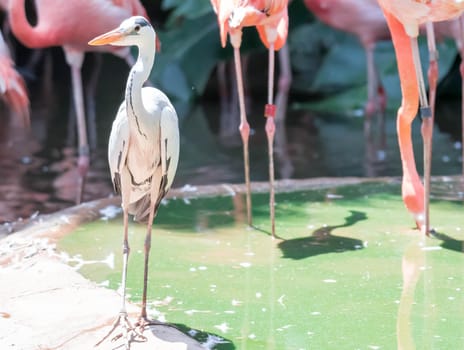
(137, 77)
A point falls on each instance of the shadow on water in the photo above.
(449, 243)
(322, 241)
(207, 340)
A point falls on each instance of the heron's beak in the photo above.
(107, 38)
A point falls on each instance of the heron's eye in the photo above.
(137, 28)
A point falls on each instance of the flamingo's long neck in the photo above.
(137, 77)
(32, 37)
(412, 188)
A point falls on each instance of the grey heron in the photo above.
(143, 149)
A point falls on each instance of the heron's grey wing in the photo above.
(170, 144)
(118, 145)
(169, 153)
(167, 144)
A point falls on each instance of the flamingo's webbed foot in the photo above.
(431, 233)
(421, 227)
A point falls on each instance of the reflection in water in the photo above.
(414, 266)
(303, 148)
(375, 139)
(274, 299)
(239, 201)
(15, 162)
(204, 217)
(411, 267)
(449, 188)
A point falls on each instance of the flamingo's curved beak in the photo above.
(107, 38)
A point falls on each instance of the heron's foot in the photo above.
(128, 331)
(145, 322)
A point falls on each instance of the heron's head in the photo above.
(132, 31)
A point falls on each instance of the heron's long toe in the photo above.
(128, 331)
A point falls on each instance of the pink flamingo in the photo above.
(71, 24)
(403, 18)
(12, 87)
(270, 17)
(364, 19)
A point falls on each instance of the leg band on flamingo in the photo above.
(425, 112)
(84, 150)
(270, 110)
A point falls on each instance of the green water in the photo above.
(349, 272)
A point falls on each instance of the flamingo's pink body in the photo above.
(12, 87)
(404, 18)
(233, 15)
(71, 24)
(270, 17)
(412, 13)
(365, 20)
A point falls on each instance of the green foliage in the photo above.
(331, 65)
(182, 65)
(190, 9)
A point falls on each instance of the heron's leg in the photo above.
(143, 319)
(269, 113)
(125, 259)
(147, 247)
(123, 319)
(75, 60)
(426, 128)
(244, 127)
